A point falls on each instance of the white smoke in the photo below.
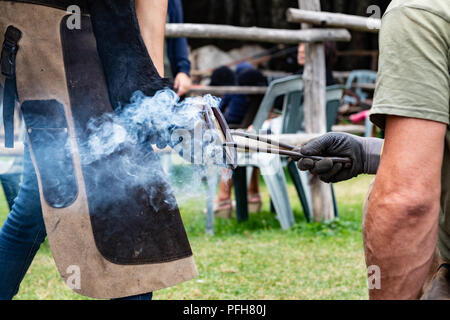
(154, 120)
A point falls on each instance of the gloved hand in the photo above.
(364, 153)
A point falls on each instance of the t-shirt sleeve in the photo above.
(413, 78)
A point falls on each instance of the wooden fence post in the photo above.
(315, 112)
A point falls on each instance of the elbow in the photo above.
(399, 220)
(410, 207)
(404, 206)
(400, 224)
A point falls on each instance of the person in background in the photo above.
(223, 76)
(236, 108)
(293, 61)
(176, 55)
(330, 59)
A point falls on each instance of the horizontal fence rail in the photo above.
(214, 31)
(336, 20)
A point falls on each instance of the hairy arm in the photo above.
(152, 21)
(400, 229)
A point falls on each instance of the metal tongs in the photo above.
(276, 147)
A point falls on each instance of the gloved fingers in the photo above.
(322, 167)
(343, 175)
(330, 176)
(305, 164)
(318, 146)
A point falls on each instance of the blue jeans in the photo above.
(10, 183)
(22, 234)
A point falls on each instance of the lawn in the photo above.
(254, 259)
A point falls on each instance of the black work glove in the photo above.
(364, 153)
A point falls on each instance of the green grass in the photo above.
(253, 259)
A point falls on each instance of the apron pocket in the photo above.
(49, 139)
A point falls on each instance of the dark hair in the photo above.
(223, 76)
(330, 53)
(252, 77)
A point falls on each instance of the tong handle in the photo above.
(295, 155)
(262, 139)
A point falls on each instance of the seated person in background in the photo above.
(293, 62)
(330, 59)
(236, 108)
(273, 124)
(223, 76)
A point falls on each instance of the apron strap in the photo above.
(8, 67)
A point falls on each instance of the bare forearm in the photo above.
(152, 21)
(401, 244)
(400, 226)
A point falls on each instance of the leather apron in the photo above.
(120, 235)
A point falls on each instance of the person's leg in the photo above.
(254, 196)
(223, 206)
(11, 185)
(225, 186)
(21, 234)
(253, 188)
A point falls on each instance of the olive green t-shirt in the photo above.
(414, 78)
